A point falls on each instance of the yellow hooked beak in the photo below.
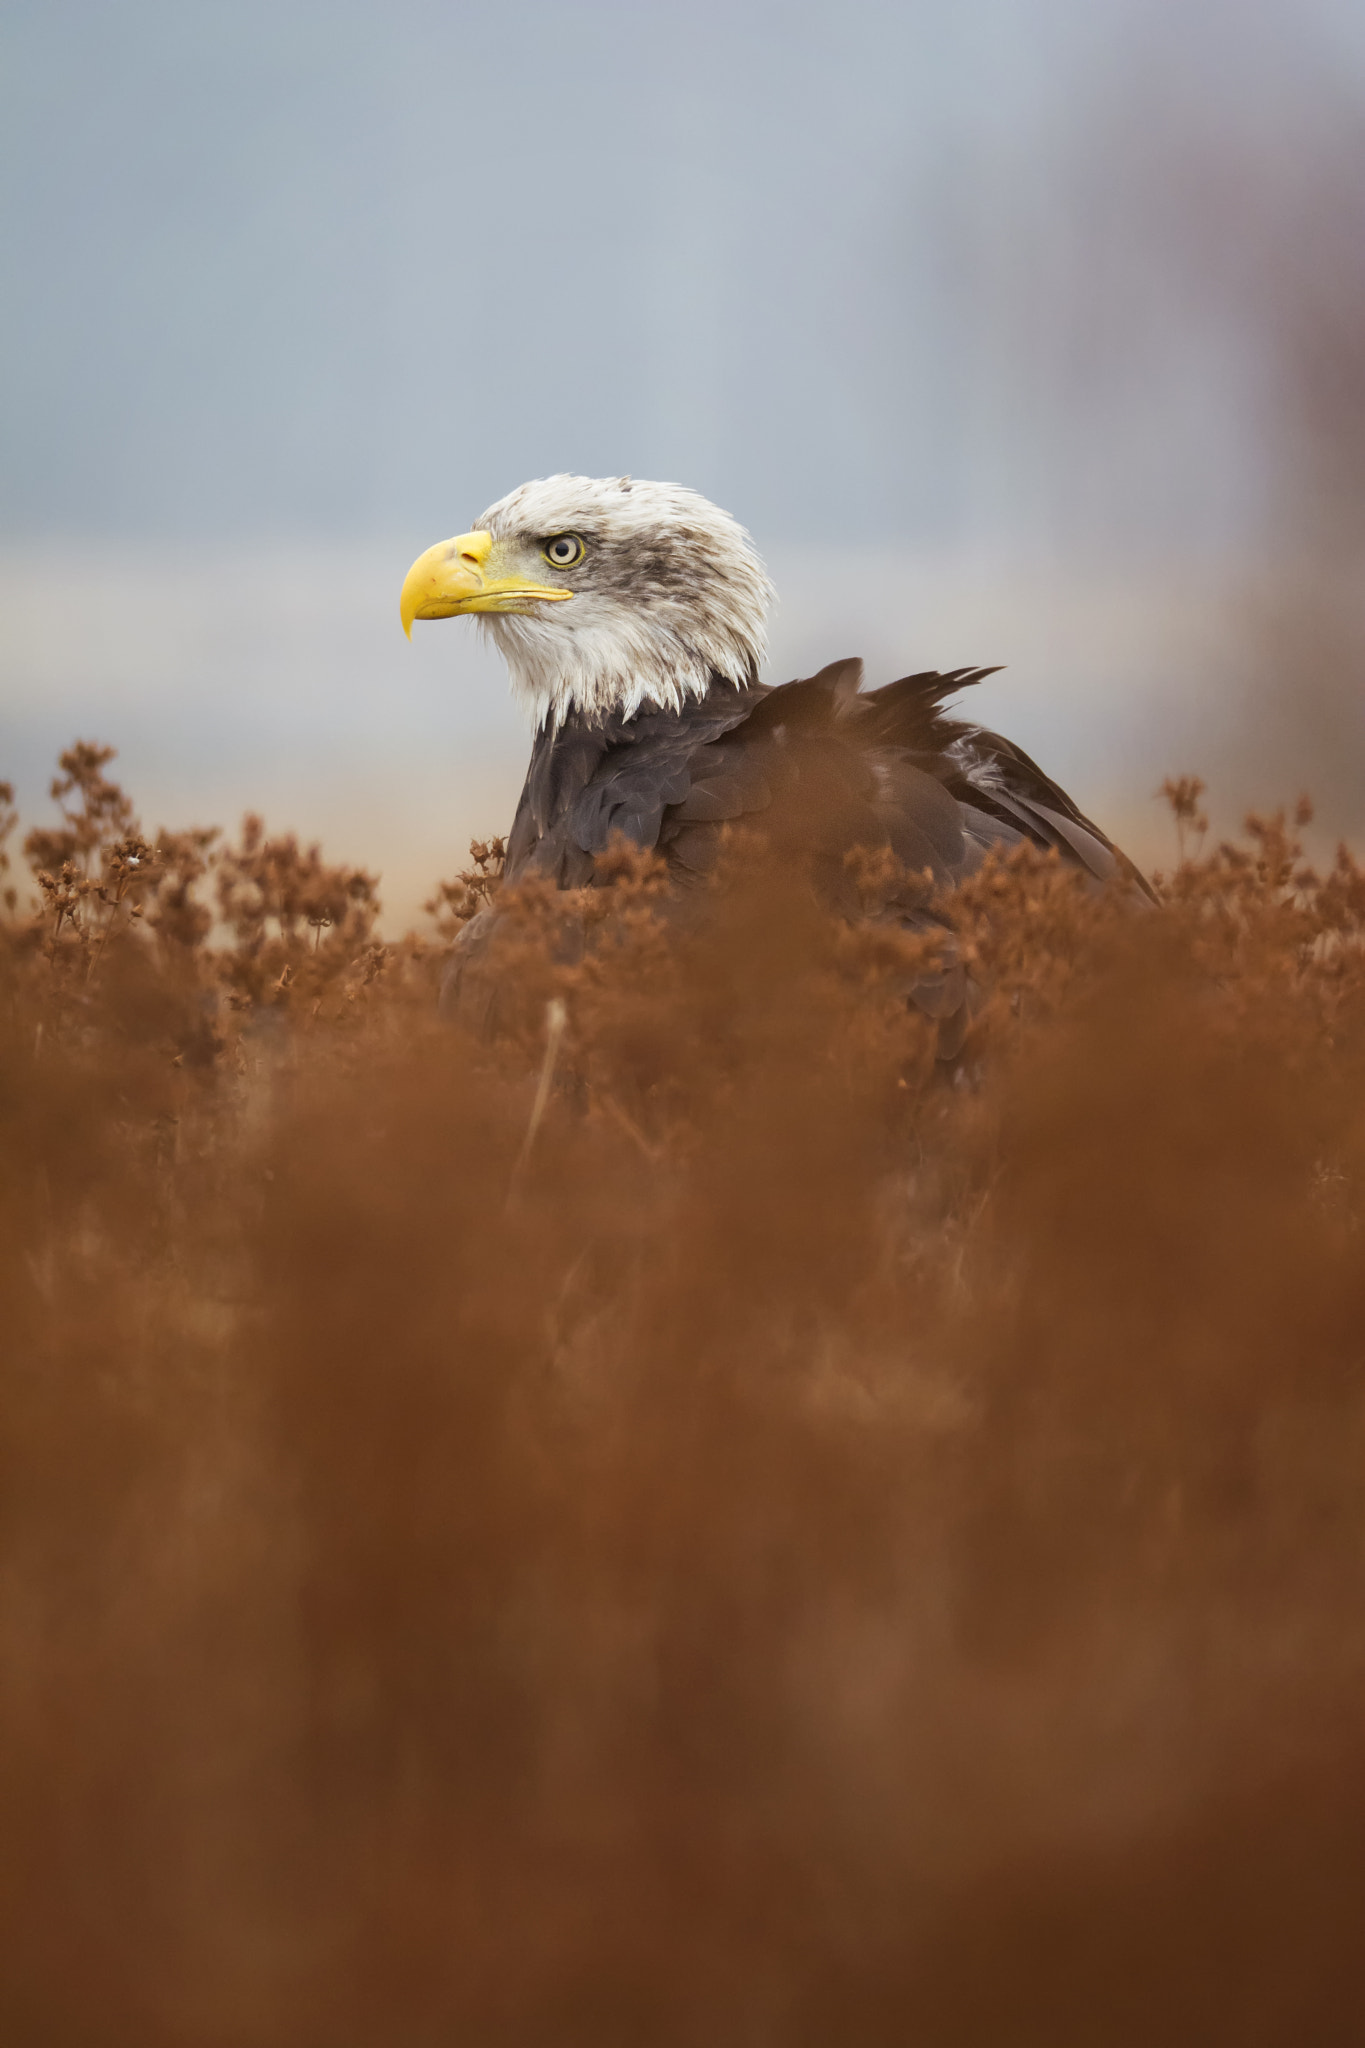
(466, 575)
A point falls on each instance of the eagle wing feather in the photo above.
(829, 768)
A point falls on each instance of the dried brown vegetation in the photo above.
(804, 1551)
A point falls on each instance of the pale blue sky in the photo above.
(358, 266)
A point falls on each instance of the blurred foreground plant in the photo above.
(810, 1550)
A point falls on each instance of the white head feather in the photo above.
(670, 594)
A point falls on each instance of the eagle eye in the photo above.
(563, 550)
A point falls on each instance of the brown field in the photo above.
(787, 1545)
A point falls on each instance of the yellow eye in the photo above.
(563, 550)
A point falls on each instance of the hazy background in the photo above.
(1030, 333)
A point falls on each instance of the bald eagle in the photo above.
(632, 619)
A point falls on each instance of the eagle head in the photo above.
(603, 593)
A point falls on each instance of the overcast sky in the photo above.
(358, 266)
(995, 321)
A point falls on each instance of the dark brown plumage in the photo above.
(821, 768)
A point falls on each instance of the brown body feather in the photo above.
(821, 768)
